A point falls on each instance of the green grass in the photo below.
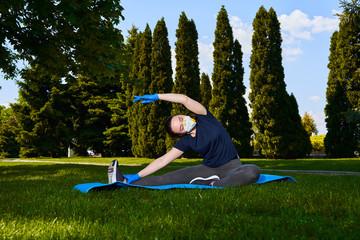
(37, 202)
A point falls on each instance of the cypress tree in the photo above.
(343, 97)
(238, 123)
(187, 75)
(275, 117)
(141, 75)
(161, 82)
(205, 90)
(133, 84)
(228, 104)
(222, 73)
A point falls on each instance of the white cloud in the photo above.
(315, 99)
(290, 53)
(205, 57)
(242, 32)
(298, 27)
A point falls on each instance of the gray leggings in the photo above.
(231, 174)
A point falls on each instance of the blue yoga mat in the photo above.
(86, 187)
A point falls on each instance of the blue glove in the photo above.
(132, 178)
(146, 98)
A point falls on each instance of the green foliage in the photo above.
(222, 73)
(161, 82)
(64, 36)
(43, 130)
(343, 136)
(238, 123)
(139, 85)
(275, 116)
(187, 75)
(228, 104)
(309, 124)
(205, 90)
(9, 129)
(317, 143)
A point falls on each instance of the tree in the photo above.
(238, 123)
(275, 117)
(205, 90)
(187, 72)
(222, 73)
(64, 37)
(228, 104)
(161, 82)
(63, 42)
(42, 126)
(9, 146)
(141, 80)
(342, 94)
(309, 124)
(187, 75)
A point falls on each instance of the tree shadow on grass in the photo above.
(308, 164)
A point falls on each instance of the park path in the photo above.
(271, 170)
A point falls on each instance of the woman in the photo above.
(221, 165)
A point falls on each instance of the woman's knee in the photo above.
(253, 172)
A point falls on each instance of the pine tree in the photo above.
(343, 97)
(275, 117)
(187, 75)
(205, 90)
(40, 113)
(161, 82)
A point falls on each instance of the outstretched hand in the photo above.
(146, 98)
(132, 178)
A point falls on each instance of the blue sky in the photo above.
(306, 25)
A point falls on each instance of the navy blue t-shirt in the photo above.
(211, 140)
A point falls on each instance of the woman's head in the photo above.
(174, 125)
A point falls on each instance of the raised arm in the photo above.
(189, 103)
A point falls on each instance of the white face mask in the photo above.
(189, 123)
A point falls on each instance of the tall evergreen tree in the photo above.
(205, 90)
(42, 124)
(118, 138)
(161, 82)
(238, 123)
(134, 83)
(187, 75)
(343, 97)
(142, 79)
(222, 73)
(9, 129)
(275, 117)
(228, 104)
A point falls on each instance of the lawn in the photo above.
(37, 202)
